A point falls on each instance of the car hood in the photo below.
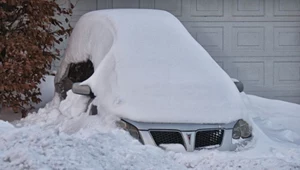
(148, 68)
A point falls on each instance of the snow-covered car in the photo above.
(143, 67)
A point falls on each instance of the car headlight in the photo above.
(241, 130)
(133, 131)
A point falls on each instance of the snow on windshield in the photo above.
(149, 68)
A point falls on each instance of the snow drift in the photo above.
(63, 136)
(149, 68)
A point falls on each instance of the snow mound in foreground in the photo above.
(40, 148)
(62, 137)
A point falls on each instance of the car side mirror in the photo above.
(239, 85)
(81, 89)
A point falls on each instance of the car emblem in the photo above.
(189, 138)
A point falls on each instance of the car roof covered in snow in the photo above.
(149, 68)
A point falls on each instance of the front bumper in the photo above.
(187, 134)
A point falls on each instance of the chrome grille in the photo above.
(208, 138)
(167, 137)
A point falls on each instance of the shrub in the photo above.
(29, 32)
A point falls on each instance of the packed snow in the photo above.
(63, 136)
(147, 64)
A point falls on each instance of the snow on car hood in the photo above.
(149, 68)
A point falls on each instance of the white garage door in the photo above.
(255, 41)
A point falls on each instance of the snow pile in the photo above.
(40, 148)
(276, 144)
(5, 126)
(147, 62)
(61, 137)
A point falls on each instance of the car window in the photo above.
(77, 72)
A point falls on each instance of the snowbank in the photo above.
(149, 68)
(40, 148)
(276, 144)
(59, 137)
(279, 120)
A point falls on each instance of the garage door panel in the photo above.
(125, 4)
(248, 38)
(287, 38)
(207, 8)
(286, 73)
(248, 8)
(287, 8)
(172, 6)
